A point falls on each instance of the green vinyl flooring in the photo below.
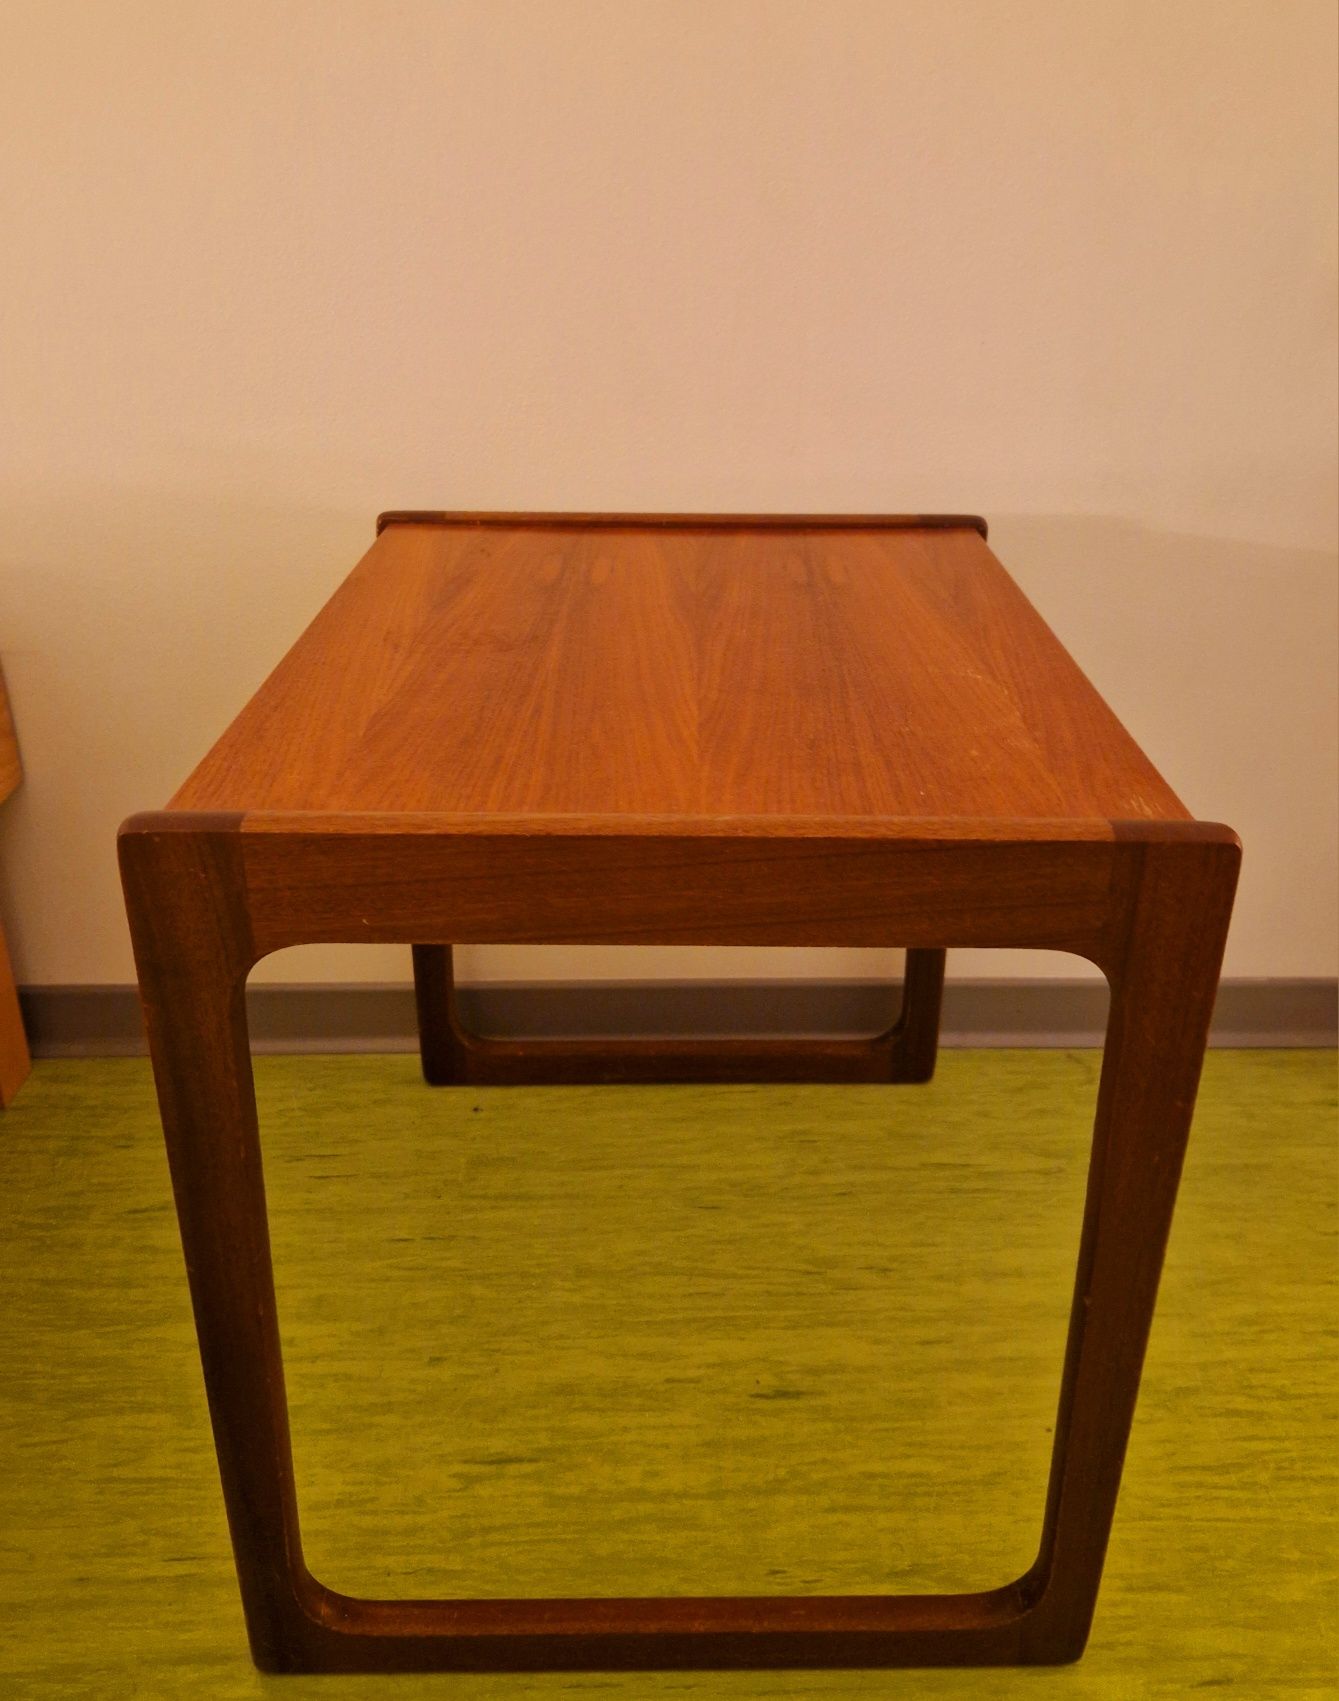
(663, 1340)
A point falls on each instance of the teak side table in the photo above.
(689, 730)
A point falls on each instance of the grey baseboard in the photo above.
(104, 1021)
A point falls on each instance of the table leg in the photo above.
(438, 1023)
(191, 936)
(1162, 962)
(917, 1033)
(453, 1055)
(1170, 898)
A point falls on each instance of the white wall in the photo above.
(269, 269)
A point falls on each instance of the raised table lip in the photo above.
(901, 830)
(633, 521)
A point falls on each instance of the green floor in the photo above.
(660, 1340)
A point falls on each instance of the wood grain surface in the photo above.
(694, 669)
(698, 731)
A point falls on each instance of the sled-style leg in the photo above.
(454, 1056)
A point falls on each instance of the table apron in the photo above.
(603, 889)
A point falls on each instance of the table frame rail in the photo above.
(208, 895)
(453, 1054)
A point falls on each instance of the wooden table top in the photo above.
(661, 673)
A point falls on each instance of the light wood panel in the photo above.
(688, 668)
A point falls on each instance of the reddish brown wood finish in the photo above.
(1144, 892)
(15, 1062)
(452, 1055)
(691, 671)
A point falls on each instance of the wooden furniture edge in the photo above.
(1164, 912)
(724, 522)
(903, 830)
(453, 1054)
(15, 1059)
(323, 1630)
(309, 880)
(11, 763)
(687, 828)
